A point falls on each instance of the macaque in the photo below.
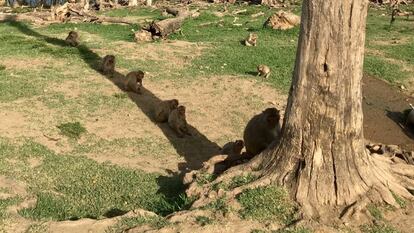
(163, 110)
(264, 71)
(72, 39)
(233, 148)
(133, 81)
(108, 65)
(261, 131)
(178, 122)
(251, 40)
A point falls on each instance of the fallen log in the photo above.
(168, 26)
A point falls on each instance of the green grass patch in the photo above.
(400, 201)
(72, 187)
(204, 178)
(130, 222)
(156, 147)
(238, 181)
(72, 130)
(378, 228)
(5, 203)
(268, 203)
(203, 220)
(144, 12)
(294, 230)
(219, 205)
(379, 67)
(227, 55)
(375, 212)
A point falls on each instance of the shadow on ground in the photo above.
(195, 149)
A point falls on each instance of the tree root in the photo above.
(384, 180)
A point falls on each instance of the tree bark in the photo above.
(321, 157)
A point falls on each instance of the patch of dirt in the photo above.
(16, 124)
(231, 226)
(14, 187)
(383, 105)
(174, 53)
(25, 63)
(402, 219)
(71, 89)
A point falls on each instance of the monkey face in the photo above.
(238, 146)
(174, 104)
(181, 110)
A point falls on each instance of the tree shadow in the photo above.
(400, 119)
(195, 149)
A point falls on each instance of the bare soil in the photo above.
(384, 121)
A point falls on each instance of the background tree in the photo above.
(321, 158)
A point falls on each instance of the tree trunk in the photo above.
(321, 158)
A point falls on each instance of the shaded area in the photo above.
(195, 149)
(384, 121)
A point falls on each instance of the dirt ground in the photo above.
(384, 122)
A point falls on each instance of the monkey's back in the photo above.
(257, 136)
(162, 112)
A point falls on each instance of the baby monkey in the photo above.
(177, 121)
(263, 70)
(163, 110)
(133, 81)
(251, 40)
(233, 152)
(72, 39)
(108, 65)
(233, 148)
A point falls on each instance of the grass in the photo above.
(238, 181)
(375, 212)
(219, 205)
(203, 220)
(129, 222)
(72, 130)
(378, 228)
(267, 204)
(293, 230)
(204, 178)
(400, 201)
(72, 187)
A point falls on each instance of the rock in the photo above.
(143, 36)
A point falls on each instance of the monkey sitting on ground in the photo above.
(108, 65)
(72, 39)
(264, 71)
(251, 40)
(133, 81)
(233, 150)
(261, 131)
(177, 121)
(163, 110)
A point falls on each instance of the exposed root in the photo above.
(383, 181)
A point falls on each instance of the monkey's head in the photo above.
(174, 104)
(238, 146)
(73, 34)
(140, 74)
(181, 110)
(253, 36)
(272, 117)
(110, 59)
